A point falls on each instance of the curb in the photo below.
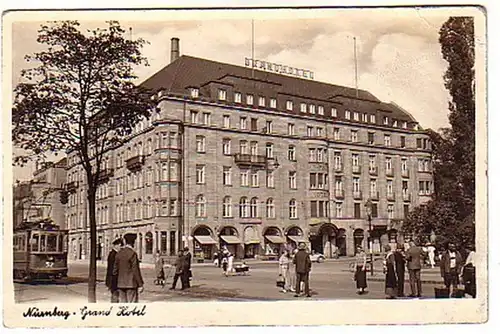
(424, 281)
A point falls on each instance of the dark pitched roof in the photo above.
(188, 71)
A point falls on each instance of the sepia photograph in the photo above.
(245, 159)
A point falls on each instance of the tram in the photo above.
(40, 251)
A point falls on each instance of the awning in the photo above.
(296, 238)
(205, 239)
(275, 239)
(252, 242)
(230, 239)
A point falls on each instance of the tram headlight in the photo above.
(50, 262)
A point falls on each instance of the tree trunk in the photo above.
(91, 195)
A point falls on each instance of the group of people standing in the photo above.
(182, 269)
(123, 274)
(225, 259)
(294, 269)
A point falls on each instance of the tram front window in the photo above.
(51, 243)
(35, 238)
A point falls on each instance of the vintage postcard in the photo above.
(237, 167)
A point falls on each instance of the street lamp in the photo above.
(368, 207)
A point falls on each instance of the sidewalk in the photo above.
(427, 275)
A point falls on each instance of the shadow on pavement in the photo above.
(61, 281)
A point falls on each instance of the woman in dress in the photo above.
(160, 273)
(284, 270)
(230, 260)
(360, 275)
(390, 273)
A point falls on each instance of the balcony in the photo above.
(249, 160)
(356, 169)
(389, 171)
(373, 171)
(339, 193)
(405, 173)
(357, 195)
(406, 197)
(71, 186)
(338, 168)
(391, 196)
(135, 163)
(374, 195)
(105, 175)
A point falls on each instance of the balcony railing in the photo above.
(356, 169)
(373, 170)
(391, 196)
(135, 163)
(357, 194)
(374, 195)
(250, 160)
(71, 186)
(105, 175)
(337, 168)
(339, 193)
(389, 171)
(405, 173)
(406, 196)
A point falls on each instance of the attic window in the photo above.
(405, 125)
(372, 119)
(395, 123)
(321, 110)
(347, 114)
(355, 115)
(262, 101)
(365, 118)
(222, 95)
(334, 112)
(194, 92)
(237, 97)
(303, 107)
(272, 103)
(386, 120)
(289, 105)
(312, 109)
(250, 99)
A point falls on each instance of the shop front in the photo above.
(323, 239)
(229, 239)
(203, 243)
(294, 236)
(251, 241)
(273, 241)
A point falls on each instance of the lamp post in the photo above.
(368, 207)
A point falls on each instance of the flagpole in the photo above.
(355, 67)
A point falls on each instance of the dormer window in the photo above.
(262, 101)
(372, 119)
(395, 123)
(303, 107)
(321, 110)
(222, 95)
(272, 103)
(250, 99)
(289, 105)
(405, 125)
(386, 120)
(237, 97)
(355, 115)
(334, 112)
(312, 109)
(195, 92)
(347, 114)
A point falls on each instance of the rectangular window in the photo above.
(357, 210)
(243, 147)
(194, 117)
(237, 97)
(226, 146)
(334, 112)
(269, 126)
(312, 181)
(406, 210)
(244, 178)
(314, 209)
(262, 101)
(354, 136)
(355, 185)
(321, 110)
(372, 164)
(173, 171)
(226, 121)
(253, 148)
(388, 163)
(291, 129)
(269, 150)
(374, 210)
(243, 123)
(390, 210)
(319, 132)
(404, 165)
(173, 207)
(292, 180)
(390, 189)
(371, 138)
(419, 142)
(206, 118)
(403, 141)
(355, 160)
(355, 116)
(337, 160)
(270, 179)
(291, 153)
(303, 107)
(395, 123)
(312, 109)
(386, 120)
(372, 119)
(387, 140)
(222, 95)
(173, 140)
(310, 131)
(272, 103)
(312, 155)
(347, 114)
(373, 187)
(253, 124)
(336, 133)
(194, 92)
(338, 210)
(365, 118)
(289, 105)
(200, 144)
(254, 179)
(172, 242)
(200, 174)
(405, 125)
(226, 176)
(320, 155)
(250, 100)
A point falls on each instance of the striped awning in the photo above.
(296, 238)
(230, 239)
(205, 239)
(275, 239)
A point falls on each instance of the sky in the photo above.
(398, 53)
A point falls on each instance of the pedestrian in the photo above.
(390, 273)
(126, 268)
(400, 262)
(284, 270)
(224, 265)
(292, 269)
(186, 273)
(160, 273)
(469, 272)
(414, 257)
(360, 274)
(112, 280)
(302, 263)
(216, 259)
(431, 252)
(179, 265)
(451, 265)
(230, 260)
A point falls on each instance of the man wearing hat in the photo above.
(186, 273)
(302, 263)
(126, 268)
(112, 280)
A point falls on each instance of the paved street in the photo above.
(329, 280)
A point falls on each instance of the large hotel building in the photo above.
(255, 161)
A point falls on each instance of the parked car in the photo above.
(317, 257)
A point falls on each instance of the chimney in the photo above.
(174, 49)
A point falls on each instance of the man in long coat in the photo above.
(302, 263)
(399, 258)
(112, 280)
(186, 274)
(126, 267)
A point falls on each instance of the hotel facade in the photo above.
(254, 161)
